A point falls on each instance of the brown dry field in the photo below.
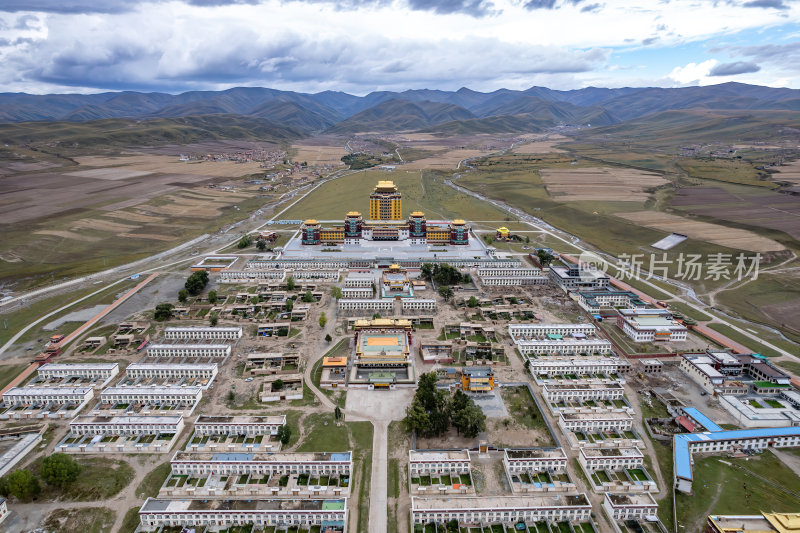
(67, 235)
(767, 209)
(789, 172)
(538, 147)
(417, 137)
(599, 184)
(448, 160)
(319, 154)
(207, 147)
(164, 164)
(738, 239)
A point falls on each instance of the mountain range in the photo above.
(461, 111)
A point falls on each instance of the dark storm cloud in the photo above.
(766, 4)
(591, 8)
(731, 69)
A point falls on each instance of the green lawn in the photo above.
(9, 372)
(153, 481)
(523, 410)
(324, 438)
(100, 478)
(131, 521)
(83, 520)
(737, 336)
(720, 489)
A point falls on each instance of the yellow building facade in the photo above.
(385, 202)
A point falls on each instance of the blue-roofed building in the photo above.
(685, 444)
(699, 418)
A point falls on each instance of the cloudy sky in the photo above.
(360, 46)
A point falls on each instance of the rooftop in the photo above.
(169, 506)
(240, 420)
(129, 419)
(450, 455)
(263, 457)
(431, 503)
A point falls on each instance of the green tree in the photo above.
(23, 485)
(545, 257)
(196, 282)
(213, 320)
(290, 283)
(244, 242)
(284, 434)
(59, 470)
(328, 338)
(277, 384)
(163, 311)
(212, 297)
(472, 302)
(426, 271)
(527, 239)
(336, 292)
(289, 305)
(446, 293)
(261, 245)
(322, 320)
(417, 419)
(183, 295)
(470, 420)
(337, 413)
(376, 316)
(308, 297)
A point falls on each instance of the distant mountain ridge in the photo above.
(464, 110)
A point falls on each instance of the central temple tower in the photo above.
(385, 202)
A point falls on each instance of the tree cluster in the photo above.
(284, 434)
(433, 411)
(57, 470)
(545, 258)
(163, 311)
(443, 274)
(245, 241)
(196, 282)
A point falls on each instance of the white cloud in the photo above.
(384, 45)
(693, 72)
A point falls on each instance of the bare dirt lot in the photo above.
(540, 145)
(599, 184)
(169, 165)
(445, 161)
(789, 172)
(738, 239)
(315, 153)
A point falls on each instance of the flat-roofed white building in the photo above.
(125, 424)
(217, 513)
(170, 395)
(702, 369)
(312, 463)
(556, 392)
(596, 301)
(297, 264)
(535, 331)
(316, 274)
(103, 371)
(418, 304)
(554, 366)
(383, 304)
(573, 278)
(172, 370)
(203, 333)
(249, 276)
(423, 462)
(523, 460)
(513, 281)
(122, 434)
(358, 279)
(620, 421)
(563, 346)
(509, 272)
(627, 506)
(238, 425)
(47, 395)
(189, 350)
(610, 458)
(357, 292)
(651, 325)
(499, 509)
(25, 439)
